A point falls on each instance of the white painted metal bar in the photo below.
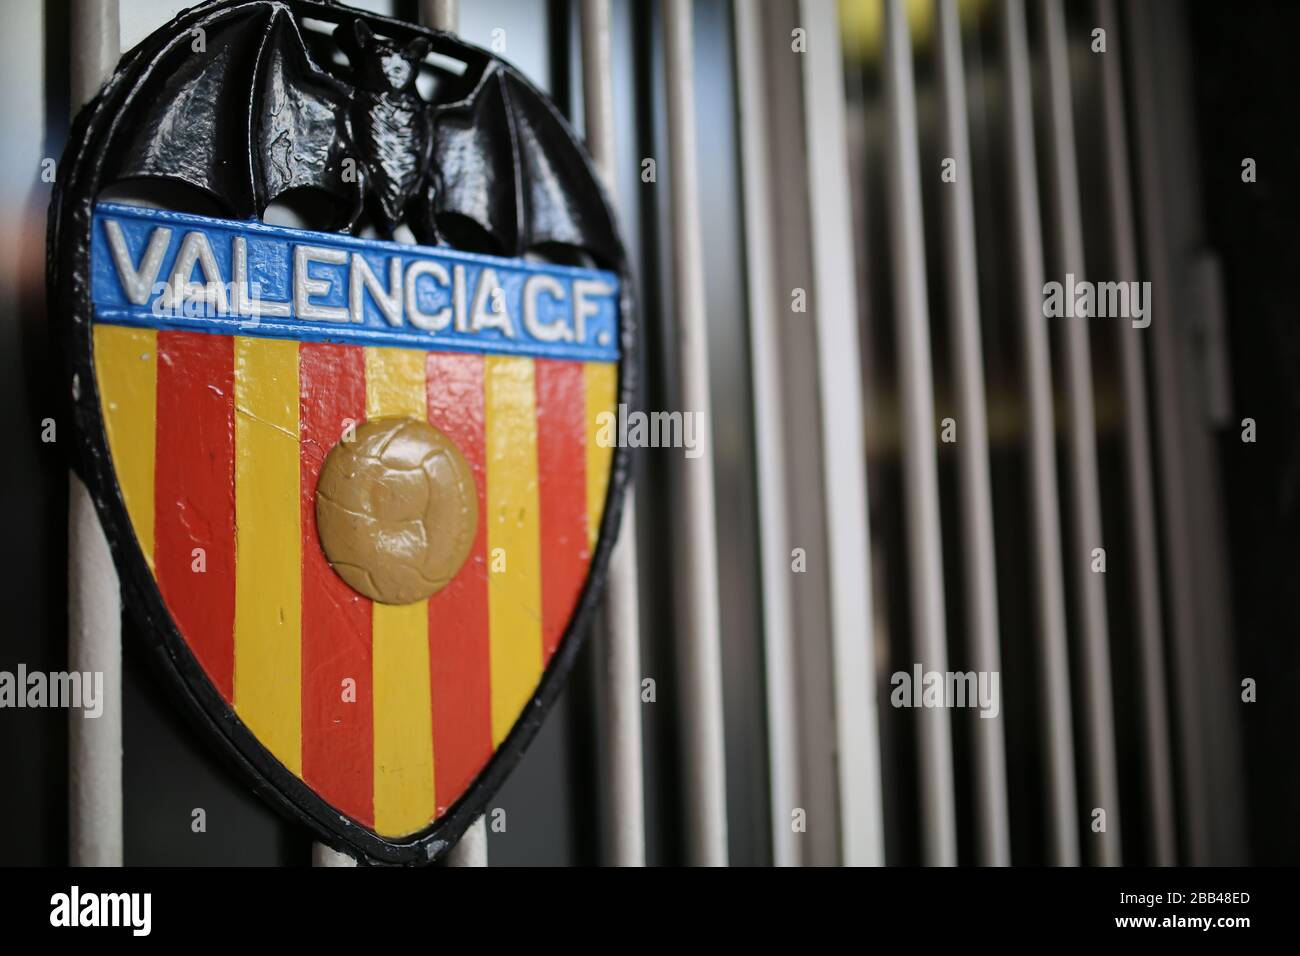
(94, 645)
(623, 842)
(771, 451)
(1137, 448)
(322, 855)
(472, 850)
(698, 637)
(835, 308)
(94, 594)
(1101, 779)
(916, 410)
(979, 561)
(1049, 587)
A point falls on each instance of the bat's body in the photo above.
(392, 126)
(394, 132)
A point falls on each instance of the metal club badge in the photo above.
(352, 485)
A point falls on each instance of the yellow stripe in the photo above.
(268, 547)
(126, 367)
(403, 730)
(514, 561)
(602, 394)
(395, 384)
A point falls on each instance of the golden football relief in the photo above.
(397, 509)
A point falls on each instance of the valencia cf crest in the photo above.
(342, 303)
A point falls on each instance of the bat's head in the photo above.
(381, 65)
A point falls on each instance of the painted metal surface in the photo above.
(698, 634)
(1044, 503)
(623, 842)
(254, 117)
(770, 446)
(273, 282)
(95, 803)
(471, 850)
(1139, 472)
(221, 361)
(1102, 778)
(920, 466)
(979, 561)
(843, 453)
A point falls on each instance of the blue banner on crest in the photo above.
(169, 270)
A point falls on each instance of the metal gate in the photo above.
(843, 218)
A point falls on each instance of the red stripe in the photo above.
(562, 493)
(458, 614)
(194, 496)
(337, 734)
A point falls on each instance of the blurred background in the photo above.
(821, 170)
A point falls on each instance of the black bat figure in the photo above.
(391, 126)
(512, 178)
(251, 106)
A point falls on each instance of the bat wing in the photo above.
(511, 171)
(246, 119)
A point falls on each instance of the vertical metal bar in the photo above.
(992, 837)
(96, 46)
(624, 817)
(920, 470)
(699, 651)
(623, 843)
(472, 848)
(1137, 448)
(440, 14)
(1054, 676)
(769, 436)
(94, 645)
(843, 451)
(94, 595)
(322, 855)
(1175, 498)
(824, 785)
(1089, 589)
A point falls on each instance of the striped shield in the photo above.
(360, 493)
(230, 359)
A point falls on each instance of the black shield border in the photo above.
(78, 183)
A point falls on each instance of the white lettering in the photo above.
(137, 283)
(196, 250)
(541, 284)
(363, 278)
(484, 296)
(305, 286)
(458, 299)
(429, 321)
(583, 308)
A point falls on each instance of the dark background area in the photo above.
(1247, 75)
